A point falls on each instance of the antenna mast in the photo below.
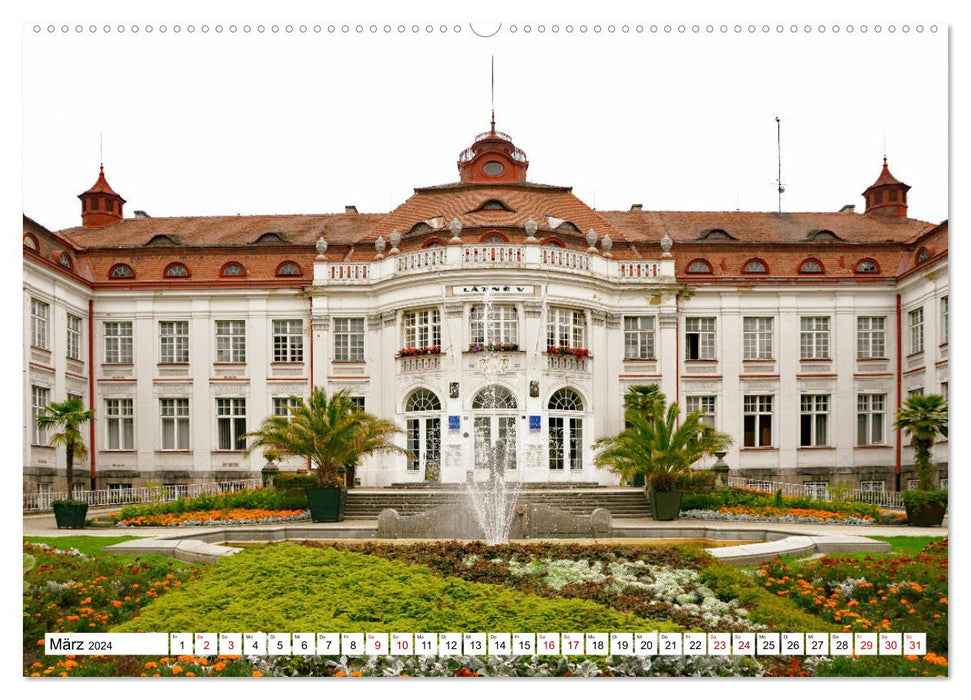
(492, 89)
(778, 143)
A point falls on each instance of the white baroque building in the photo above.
(797, 333)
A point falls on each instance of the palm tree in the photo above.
(331, 431)
(642, 399)
(67, 416)
(923, 418)
(655, 446)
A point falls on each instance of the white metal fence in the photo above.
(146, 494)
(887, 499)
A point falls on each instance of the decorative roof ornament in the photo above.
(395, 239)
(455, 226)
(606, 244)
(666, 244)
(592, 241)
(531, 228)
(321, 246)
(379, 246)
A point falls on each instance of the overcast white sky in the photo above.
(198, 124)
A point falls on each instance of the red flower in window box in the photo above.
(413, 352)
(567, 350)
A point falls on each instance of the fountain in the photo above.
(492, 500)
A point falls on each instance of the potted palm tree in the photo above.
(67, 417)
(924, 418)
(332, 432)
(642, 398)
(655, 446)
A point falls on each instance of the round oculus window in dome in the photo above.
(493, 167)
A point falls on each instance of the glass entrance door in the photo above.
(495, 439)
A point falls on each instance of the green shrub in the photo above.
(291, 587)
(270, 499)
(720, 498)
(917, 499)
(294, 480)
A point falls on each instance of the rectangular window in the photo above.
(814, 338)
(231, 423)
(423, 329)
(40, 396)
(283, 404)
(556, 442)
(944, 390)
(639, 337)
(945, 332)
(814, 420)
(118, 342)
(871, 338)
(230, 341)
(705, 404)
(757, 421)
(919, 391)
(173, 342)
(349, 339)
(870, 415)
(503, 325)
(120, 424)
(759, 485)
(757, 338)
(288, 341)
(699, 337)
(944, 484)
(40, 313)
(413, 429)
(916, 330)
(872, 486)
(817, 489)
(912, 484)
(566, 328)
(175, 423)
(358, 402)
(576, 443)
(73, 337)
(117, 493)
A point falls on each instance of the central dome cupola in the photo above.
(492, 158)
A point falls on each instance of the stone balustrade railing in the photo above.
(499, 256)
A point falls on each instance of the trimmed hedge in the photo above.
(724, 498)
(266, 499)
(291, 587)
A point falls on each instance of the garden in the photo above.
(450, 586)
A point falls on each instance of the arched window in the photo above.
(755, 267)
(922, 255)
(568, 226)
(822, 236)
(419, 227)
(699, 267)
(422, 400)
(811, 266)
(232, 269)
(494, 239)
(271, 238)
(565, 430)
(30, 241)
(494, 397)
(176, 270)
(121, 271)
(714, 234)
(565, 399)
(867, 266)
(65, 261)
(433, 243)
(161, 240)
(553, 243)
(288, 269)
(424, 433)
(494, 204)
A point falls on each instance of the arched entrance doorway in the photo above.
(423, 425)
(494, 410)
(566, 430)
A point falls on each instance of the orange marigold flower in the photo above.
(340, 674)
(356, 674)
(150, 665)
(176, 670)
(257, 674)
(189, 674)
(219, 666)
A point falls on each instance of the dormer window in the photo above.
(30, 241)
(867, 267)
(121, 271)
(553, 243)
(420, 227)
(271, 238)
(699, 267)
(822, 236)
(232, 269)
(288, 269)
(811, 266)
(176, 270)
(160, 240)
(923, 255)
(568, 226)
(755, 267)
(65, 261)
(494, 204)
(494, 238)
(714, 235)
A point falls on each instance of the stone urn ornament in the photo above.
(395, 239)
(321, 247)
(379, 246)
(666, 244)
(455, 226)
(606, 244)
(592, 241)
(531, 228)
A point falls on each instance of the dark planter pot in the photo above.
(327, 505)
(70, 515)
(666, 505)
(926, 515)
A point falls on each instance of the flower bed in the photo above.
(234, 516)
(771, 514)
(755, 501)
(289, 496)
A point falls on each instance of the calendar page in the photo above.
(436, 343)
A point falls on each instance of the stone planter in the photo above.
(929, 514)
(666, 505)
(327, 505)
(70, 514)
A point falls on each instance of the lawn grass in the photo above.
(88, 545)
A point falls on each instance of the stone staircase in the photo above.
(622, 502)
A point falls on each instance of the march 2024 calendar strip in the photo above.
(491, 643)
